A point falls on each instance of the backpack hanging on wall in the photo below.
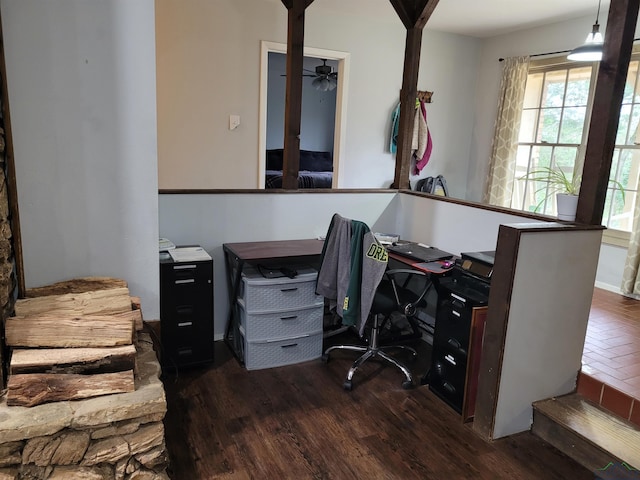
(435, 185)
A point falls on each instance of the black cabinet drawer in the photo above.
(186, 312)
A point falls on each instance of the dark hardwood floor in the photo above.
(297, 422)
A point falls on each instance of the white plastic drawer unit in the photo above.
(277, 353)
(262, 295)
(285, 323)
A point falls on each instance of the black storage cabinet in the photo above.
(460, 306)
(186, 312)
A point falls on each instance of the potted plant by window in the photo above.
(566, 189)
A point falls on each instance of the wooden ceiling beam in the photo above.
(424, 11)
(414, 13)
(404, 10)
(289, 3)
(612, 74)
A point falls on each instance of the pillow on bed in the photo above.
(310, 160)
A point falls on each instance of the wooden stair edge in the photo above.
(605, 437)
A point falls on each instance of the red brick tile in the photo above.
(590, 387)
(616, 401)
(612, 344)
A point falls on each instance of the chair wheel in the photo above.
(347, 385)
(407, 385)
(325, 358)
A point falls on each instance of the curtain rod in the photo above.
(554, 53)
(542, 54)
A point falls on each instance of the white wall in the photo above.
(208, 68)
(81, 85)
(452, 227)
(211, 220)
(547, 323)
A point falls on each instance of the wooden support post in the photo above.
(407, 107)
(293, 97)
(414, 15)
(612, 74)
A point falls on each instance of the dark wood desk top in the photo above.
(275, 249)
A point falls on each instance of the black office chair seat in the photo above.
(391, 296)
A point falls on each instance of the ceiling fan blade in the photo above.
(304, 75)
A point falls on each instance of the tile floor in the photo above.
(611, 357)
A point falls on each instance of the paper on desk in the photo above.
(189, 254)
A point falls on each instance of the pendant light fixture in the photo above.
(591, 51)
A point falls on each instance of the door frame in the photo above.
(340, 122)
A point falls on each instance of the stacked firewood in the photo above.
(72, 340)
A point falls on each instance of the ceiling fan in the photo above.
(324, 78)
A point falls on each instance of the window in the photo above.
(553, 133)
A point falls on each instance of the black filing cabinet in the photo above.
(457, 341)
(186, 312)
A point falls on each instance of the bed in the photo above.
(316, 169)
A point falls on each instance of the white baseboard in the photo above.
(608, 287)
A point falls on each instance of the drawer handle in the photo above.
(289, 289)
(189, 280)
(183, 267)
(185, 351)
(293, 317)
(289, 345)
(185, 324)
(184, 310)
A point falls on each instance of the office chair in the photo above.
(353, 275)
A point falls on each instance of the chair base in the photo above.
(371, 351)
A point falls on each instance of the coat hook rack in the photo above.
(422, 96)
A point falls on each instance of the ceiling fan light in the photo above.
(321, 83)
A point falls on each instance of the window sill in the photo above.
(616, 237)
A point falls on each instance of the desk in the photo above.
(238, 255)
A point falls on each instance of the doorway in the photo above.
(265, 135)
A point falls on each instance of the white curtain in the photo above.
(631, 273)
(499, 184)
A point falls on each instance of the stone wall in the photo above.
(7, 274)
(117, 436)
